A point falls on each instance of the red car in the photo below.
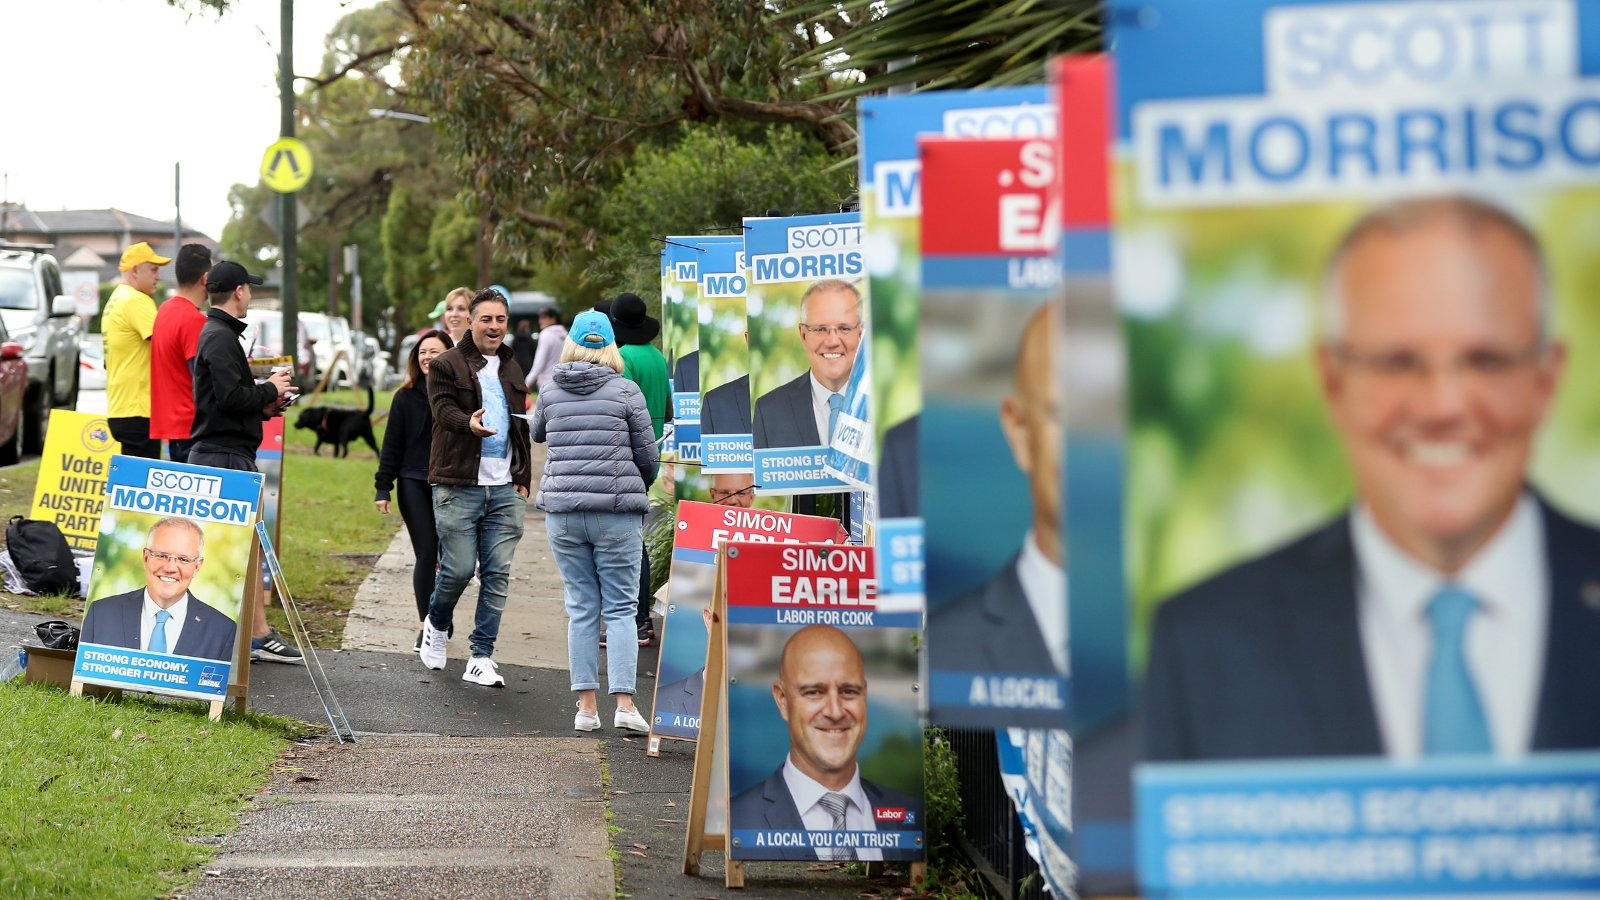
(13, 388)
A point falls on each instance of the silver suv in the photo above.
(43, 320)
(331, 347)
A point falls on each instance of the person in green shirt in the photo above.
(644, 365)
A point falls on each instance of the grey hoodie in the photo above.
(602, 450)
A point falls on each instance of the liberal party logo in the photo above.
(97, 436)
(211, 677)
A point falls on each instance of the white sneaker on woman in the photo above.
(586, 721)
(630, 720)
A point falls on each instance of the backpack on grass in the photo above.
(42, 556)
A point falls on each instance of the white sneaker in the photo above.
(630, 720)
(481, 670)
(433, 646)
(586, 721)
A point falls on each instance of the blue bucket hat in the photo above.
(592, 329)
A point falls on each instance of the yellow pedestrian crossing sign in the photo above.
(286, 166)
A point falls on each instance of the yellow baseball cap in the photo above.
(140, 253)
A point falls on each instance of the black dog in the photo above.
(338, 426)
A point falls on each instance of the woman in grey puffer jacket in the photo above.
(602, 459)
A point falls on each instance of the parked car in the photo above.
(13, 397)
(92, 363)
(43, 320)
(331, 345)
(263, 338)
(372, 363)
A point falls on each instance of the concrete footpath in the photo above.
(453, 789)
(457, 790)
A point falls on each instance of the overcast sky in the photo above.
(101, 97)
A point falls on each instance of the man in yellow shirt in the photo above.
(128, 322)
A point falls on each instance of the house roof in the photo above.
(86, 221)
(83, 258)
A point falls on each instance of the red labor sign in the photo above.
(1011, 209)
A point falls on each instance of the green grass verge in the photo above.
(103, 798)
(331, 534)
(329, 539)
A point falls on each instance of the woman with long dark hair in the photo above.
(403, 465)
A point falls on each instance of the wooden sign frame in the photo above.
(239, 673)
(691, 523)
(714, 703)
(653, 740)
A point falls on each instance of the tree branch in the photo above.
(358, 63)
(541, 221)
(834, 130)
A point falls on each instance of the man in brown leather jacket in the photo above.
(479, 466)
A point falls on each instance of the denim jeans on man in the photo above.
(478, 527)
(598, 554)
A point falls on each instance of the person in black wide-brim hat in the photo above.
(632, 322)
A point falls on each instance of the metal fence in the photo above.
(990, 833)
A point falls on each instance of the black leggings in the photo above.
(416, 508)
(641, 615)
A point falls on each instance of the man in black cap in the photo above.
(643, 365)
(229, 407)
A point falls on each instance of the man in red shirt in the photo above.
(172, 349)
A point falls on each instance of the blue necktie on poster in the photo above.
(835, 405)
(1453, 721)
(158, 637)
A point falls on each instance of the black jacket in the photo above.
(454, 396)
(406, 439)
(228, 403)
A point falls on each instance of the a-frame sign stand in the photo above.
(239, 673)
(711, 751)
(254, 597)
(713, 735)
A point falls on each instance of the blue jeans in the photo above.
(598, 553)
(478, 528)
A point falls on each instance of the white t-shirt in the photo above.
(494, 461)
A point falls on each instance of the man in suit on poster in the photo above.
(899, 475)
(726, 409)
(162, 616)
(1016, 623)
(821, 692)
(682, 697)
(802, 412)
(1451, 609)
